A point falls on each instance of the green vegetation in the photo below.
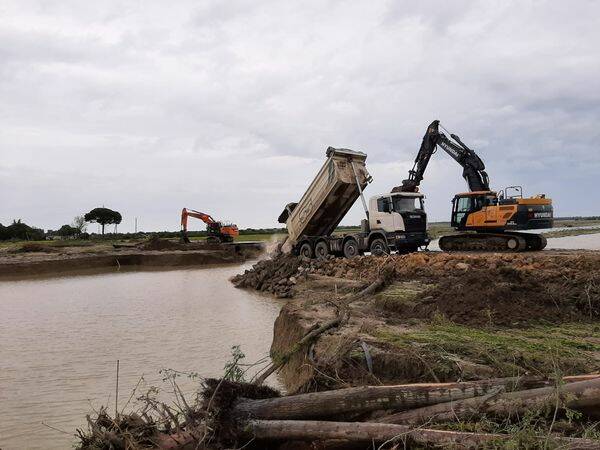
(67, 231)
(233, 368)
(20, 231)
(103, 216)
(508, 352)
(400, 296)
(530, 431)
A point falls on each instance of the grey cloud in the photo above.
(229, 106)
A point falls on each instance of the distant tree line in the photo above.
(20, 231)
(578, 218)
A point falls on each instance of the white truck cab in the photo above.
(402, 211)
(397, 221)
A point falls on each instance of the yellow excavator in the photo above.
(488, 220)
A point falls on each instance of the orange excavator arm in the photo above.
(185, 213)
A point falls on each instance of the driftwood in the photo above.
(367, 398)
(580, 394)
(299, 345)
(310, 430)
(310, 337)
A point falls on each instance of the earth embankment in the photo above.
(440, 317)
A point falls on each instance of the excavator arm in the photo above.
(473, 167)
(185, 213)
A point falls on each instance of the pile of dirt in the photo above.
(156, 243)
(276, 276)
(33, 247)
(510, 297)
(501, 289)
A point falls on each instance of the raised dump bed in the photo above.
(329, 197)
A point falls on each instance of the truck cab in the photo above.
(400, 218)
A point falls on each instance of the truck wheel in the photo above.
(350, 248)
(321, 250)
(379, 247)
(306, 250)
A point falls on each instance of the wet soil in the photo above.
(442, 316)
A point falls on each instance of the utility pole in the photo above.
(136, 225)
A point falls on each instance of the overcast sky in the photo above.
(228, 106)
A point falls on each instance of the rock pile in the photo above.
(276, 276)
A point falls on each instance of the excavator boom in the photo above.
(185, 213)
(473, 167)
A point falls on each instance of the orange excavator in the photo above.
(215, 231)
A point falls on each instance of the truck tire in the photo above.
(379, 247)
(321, 250)
(306, 250)
(350, 248)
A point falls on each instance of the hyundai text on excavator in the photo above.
(215, 231)
(491, 216)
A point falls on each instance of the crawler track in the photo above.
(494, 242)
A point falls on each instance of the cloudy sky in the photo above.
(228, 106)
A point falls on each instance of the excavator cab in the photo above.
(468, 203)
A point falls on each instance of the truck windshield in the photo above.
(407, 203)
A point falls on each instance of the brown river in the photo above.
(60, 339)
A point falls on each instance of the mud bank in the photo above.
(441, 317)
(61, 263)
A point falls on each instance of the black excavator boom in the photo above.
(473, 167)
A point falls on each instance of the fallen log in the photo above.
(314, 430)
(366, 398)
(577, 395)
(310, 337)
(282, 360)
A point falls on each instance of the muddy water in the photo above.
(60, 339)
(583, 241)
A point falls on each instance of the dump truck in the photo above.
(394, 221)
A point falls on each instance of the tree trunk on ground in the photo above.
(310, 430)
(366, 398)
(581, 394)
(299, 345)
